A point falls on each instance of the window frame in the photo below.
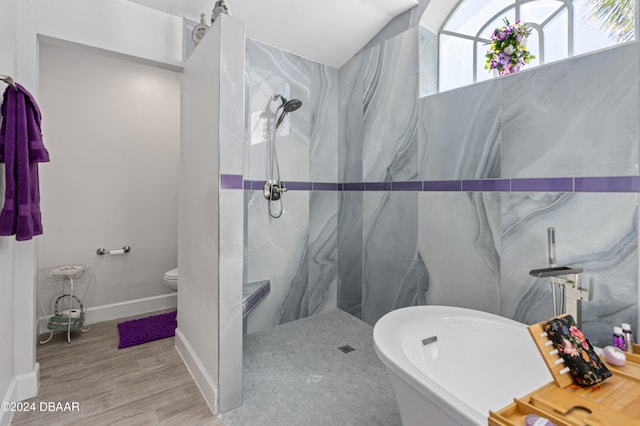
(539, 28)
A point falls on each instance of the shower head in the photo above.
(292, 105)
(286, 106)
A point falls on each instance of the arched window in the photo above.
(560, 29)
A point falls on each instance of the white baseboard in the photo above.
(203, 380)
(22, 387)
(27, 384)
(121, 310)
(9, 396)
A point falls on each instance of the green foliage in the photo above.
(615, 16)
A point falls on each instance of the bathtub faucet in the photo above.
(569, 281)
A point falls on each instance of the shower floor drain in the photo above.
(346, 349)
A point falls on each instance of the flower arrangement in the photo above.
(508, 51)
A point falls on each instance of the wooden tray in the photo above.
(616, 401)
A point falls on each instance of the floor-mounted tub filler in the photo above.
(450, 366)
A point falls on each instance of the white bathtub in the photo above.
(479, 362)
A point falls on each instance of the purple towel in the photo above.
(21, 149)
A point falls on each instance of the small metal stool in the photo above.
(71, 318)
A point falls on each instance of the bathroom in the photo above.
(357, 244)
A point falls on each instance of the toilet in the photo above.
(171, 278)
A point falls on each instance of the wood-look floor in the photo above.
(142, 385)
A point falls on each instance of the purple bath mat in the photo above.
(143, 330)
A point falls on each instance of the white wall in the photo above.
(7, 322)
(198, 306)
(210, 241)
(112, 129)
(116, 25)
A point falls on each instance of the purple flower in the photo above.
(508, 52)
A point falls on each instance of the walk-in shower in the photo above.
(273, 187)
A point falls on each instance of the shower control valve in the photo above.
(273, 189)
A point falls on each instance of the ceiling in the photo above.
(327, 31)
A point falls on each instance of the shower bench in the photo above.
(252, 294)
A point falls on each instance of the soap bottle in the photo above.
(618, 338)
(628, 337)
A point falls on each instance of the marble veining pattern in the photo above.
(390, 259)
(579, 117)
(276, 250)
(472, 248)
(390, 109)
(350, 222)
(483, 150)
(460, 241)
(351, 123)
(379, 267)
(323, 104)
(273, 71)
(296, 300)
(323, 251)
(461, 139)
(298, 251)
(604, 242)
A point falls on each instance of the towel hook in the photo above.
(9, 80)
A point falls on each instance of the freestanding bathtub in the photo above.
(450, 366)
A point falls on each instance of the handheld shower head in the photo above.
(292, 105)
(286, 106)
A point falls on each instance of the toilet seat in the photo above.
(171, 275)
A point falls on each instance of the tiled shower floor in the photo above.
(295, 374)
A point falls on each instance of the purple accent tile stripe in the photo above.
(486, 185)
(559, 184)
(324, 186)
(442, 185)
(377, 186)
(542, 184)
(257, 185)
(608, 184)
(231, 182)
(298, 186)
(406, 186)
(354, 186)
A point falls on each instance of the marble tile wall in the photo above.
(595, 231)
(499, 162)
(575, 118)
(350, 212)
(444, 199)
(460, 139)
(459, 240)
(298, 251)
(578, 117)
(379, 266)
